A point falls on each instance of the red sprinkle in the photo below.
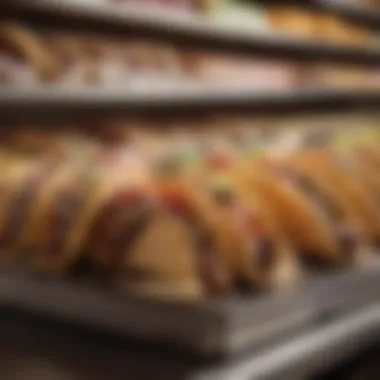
(174, 200)
(128, 195)
(255, 226)
(218, 161)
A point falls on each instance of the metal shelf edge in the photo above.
(59, 103)
(307, 354)
(192, 31)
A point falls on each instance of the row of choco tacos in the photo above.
(186, 217)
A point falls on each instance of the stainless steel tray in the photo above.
(346, 292)
(32, 348)
(306, 355)
(218, 327)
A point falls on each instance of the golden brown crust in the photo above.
(291, 19)
(30, 47)
(301, 220)
(37, 220)
(284, 272)
(356, 206)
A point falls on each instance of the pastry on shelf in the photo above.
(335, 194)
(185, 215)
(74, 66)
(24, 57)
(291, 19)
(333, 28)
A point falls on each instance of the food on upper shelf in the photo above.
(337, 76)
(188, 215)
(235, 14)
(295, 20)
(32, 57)
(23, 58)
(189, 6)
(37, 57)
(70, 59)
(331, 27)
(239, 71)
(375, 2)
(315, 25)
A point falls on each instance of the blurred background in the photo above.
(189, 189)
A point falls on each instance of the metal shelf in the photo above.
(29, 346)
(54, 105)
(345, 292)
(184, 31)
(365, 14)
(216, 328)
(221, 327)
(308, 354)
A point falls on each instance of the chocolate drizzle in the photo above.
(208, 260)
(312, 189)
(116, 228)
(63, 213)
(209, 264)
(346, 235)
(264, 253)
(18, 208)
(16, 213)
(348, 242)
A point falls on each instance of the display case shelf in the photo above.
(364, 14)
(56, 105)
(215, 328)
(184, 30)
